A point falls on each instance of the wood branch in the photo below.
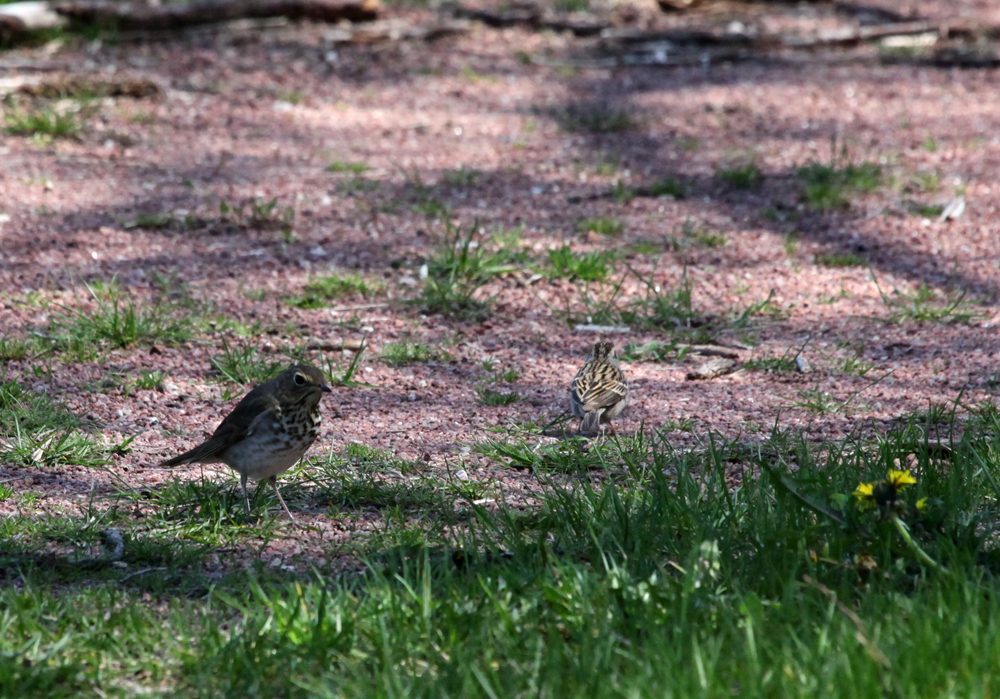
(679, 37)
(21, 17)
(396, 30)
(529, 15)
(79, 86)
(126, 16)
(849, 36)
(622, 47)
(678, 5)
(718, 366)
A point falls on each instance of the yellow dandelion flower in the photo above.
(865, 494)
(921, 504)
(899, 479)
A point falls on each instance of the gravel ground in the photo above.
(244, 118)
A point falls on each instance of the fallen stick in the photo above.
(395, 30)
(21, 17)
(530, 16)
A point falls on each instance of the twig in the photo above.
(359, 307)
(141, 572)
(874, 652)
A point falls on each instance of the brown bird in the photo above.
(267, 432)
(599, 391)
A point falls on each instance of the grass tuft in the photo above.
(828, 186)
(494, 398)
(407, 352)
(42, 122)
(118, 320)
(592, 266)
(243, 364)
(319, 290)
(458, 269)
(841, 259)
(743, 176)
(601, 226)
(596, 117)
(37, 431)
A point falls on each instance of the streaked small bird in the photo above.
(267, 432)
(599, 391)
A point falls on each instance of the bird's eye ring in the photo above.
(300, 380)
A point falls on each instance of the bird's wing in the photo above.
(238, 425)
(601, 391)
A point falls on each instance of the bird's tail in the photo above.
(177, 460)
(189, 457)
(591, 423)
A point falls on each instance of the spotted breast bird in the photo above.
(267, 432)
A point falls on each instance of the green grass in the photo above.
(592, 266)
(118, 320)
(319, 291)
(408, 352)
(924, 305)
(657, 578)
(242, 364)
(32, 412)
(601, 226)
(653, 351)
(662, 306)
(35, 430)
(149, 380)
(668, 187)
(829, 186)
(925, 210)
(708, 239)
(742, 176)
(354, 168)
(785, 364)
(154, 222)
(42, 122)
(596, 117)
(493, 376)
(360, 184)
(571, 5)
(461, 178)
(18, 347)
(494, 398)
(841, 259)
(461, 265)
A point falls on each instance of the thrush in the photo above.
(267, 432)
(599, 390)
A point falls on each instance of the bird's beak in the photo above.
(325, 388)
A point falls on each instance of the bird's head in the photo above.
(300, 382)
(603, 351)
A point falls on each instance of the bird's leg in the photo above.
(246, 498)
(273, 480)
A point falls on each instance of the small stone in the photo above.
(712, 368)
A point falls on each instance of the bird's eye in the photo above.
(300, 380)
